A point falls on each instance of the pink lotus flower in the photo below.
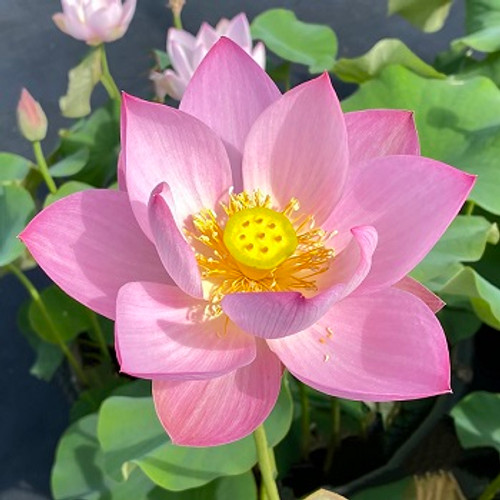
(254, 230)
(186, 53)
(95, 21)
(31, 118)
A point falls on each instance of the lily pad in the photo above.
(16, 208)
(476, 420)
(314, 45)
(428, 15)
(382, 54)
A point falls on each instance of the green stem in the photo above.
(42, 166)
(335, 438)
(106, 78)
(469, 207)
(305, 420)
(491, 490)
(37, 299)
(177, 20)
(267, 465)
(96, 327)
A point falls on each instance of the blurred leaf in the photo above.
(484, 297)
(458, 122)
(476, 420)
(458, 324)
(224, 488)
(81, 82)
(13, 167)
(428, 15)
(382, 54)
(314, 45)
(78, 469)
(16, 208)
(65, 190)
(161, 59)
(402, 489)
(131, 435)
(70, 165)
(99, 133)
(78, 474)
(464, 241)
(67, 317)
(483, 26)
(48, 357)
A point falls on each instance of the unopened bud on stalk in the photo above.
(31, 118)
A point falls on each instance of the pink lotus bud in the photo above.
(31, 118)
(187, 51)
(95, 21)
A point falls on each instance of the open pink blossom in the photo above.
(187, 51)
(254, 230)
(95, 21)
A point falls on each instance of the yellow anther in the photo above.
(260, 237)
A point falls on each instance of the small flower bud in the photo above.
(31, 118)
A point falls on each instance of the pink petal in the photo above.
(122, 182)
(273, 315)
(380, 132)
(128, 12)
(410, 201)
(298, 149)
(168, 83)
(220, 410)
(353, 264)
(163, 333)
(259, 54)
(175, 252)
(180, 60)
(163, 144)
(413, 286)
(181, 37)
(228, 92)
(238, 30)
(381, 347)
(89, 243)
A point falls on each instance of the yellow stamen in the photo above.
(295, 249)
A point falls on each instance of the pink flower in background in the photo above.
(187, 51)
(31, 118)
(95, 21)
(254, 230)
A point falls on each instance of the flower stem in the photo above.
(469, 207)
(43, 168)
(96, 327)
(106, 78)
(335, 438)
(305, 420)
(177, 20)
(37, 299)
(267, 465)
(491, 490)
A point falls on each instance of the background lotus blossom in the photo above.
(95, 21)
(187, 51)
(358, 328)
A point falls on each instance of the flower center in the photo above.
(260, 237)
(253, 247)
